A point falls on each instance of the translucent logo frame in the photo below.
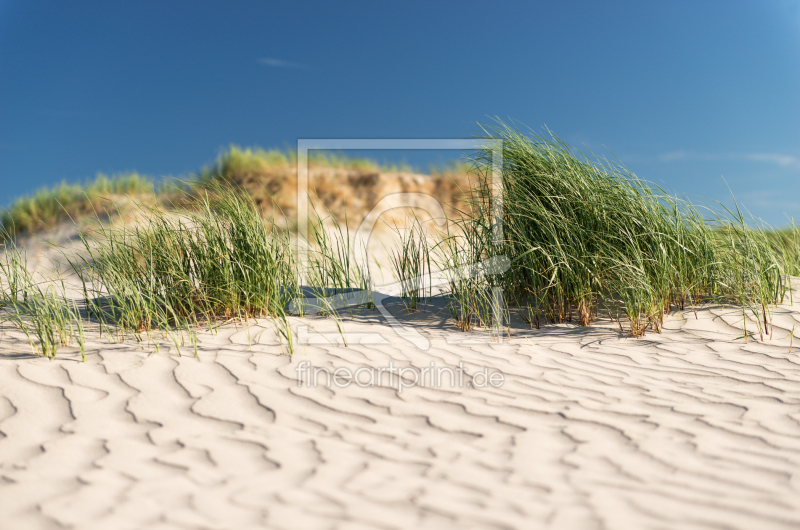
(495, 265)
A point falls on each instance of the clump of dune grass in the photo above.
(175, 272)
(179, 271)
(219, 261)
(411, 264)
(238, 163)
(786, 243)
(584, 234)
(49, 320)
(333, 273)
(49, 206)
(38, 307)
(333, 266)
(474, 281)
(465, 296)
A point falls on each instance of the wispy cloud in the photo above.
(771, 158)
(781, 160)
(278, 63)
(776, 200)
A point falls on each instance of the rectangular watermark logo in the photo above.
(376, 294)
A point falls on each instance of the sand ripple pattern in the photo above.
(687, 429)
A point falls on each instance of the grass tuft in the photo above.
(411, 264)
(180, 271)
(49, 206)
(584, 234)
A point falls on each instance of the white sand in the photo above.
(686, 429)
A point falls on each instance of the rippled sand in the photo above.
(685, 429)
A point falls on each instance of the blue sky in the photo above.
(683, 93)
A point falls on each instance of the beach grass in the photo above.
(182, 270)
(50, 206)
(584, 233)
(238, 162)
(585, 239)
(37, 306)
(411, 262)
(178, 271)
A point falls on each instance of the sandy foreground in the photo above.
(586, 428)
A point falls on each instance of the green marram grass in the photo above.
(49, 206)
(411, 263)
(36, 306)
(584, 234)
(239, 161)
(182, 270)
(469, 296)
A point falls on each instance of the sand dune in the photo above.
(690, 428)
(686, 429)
